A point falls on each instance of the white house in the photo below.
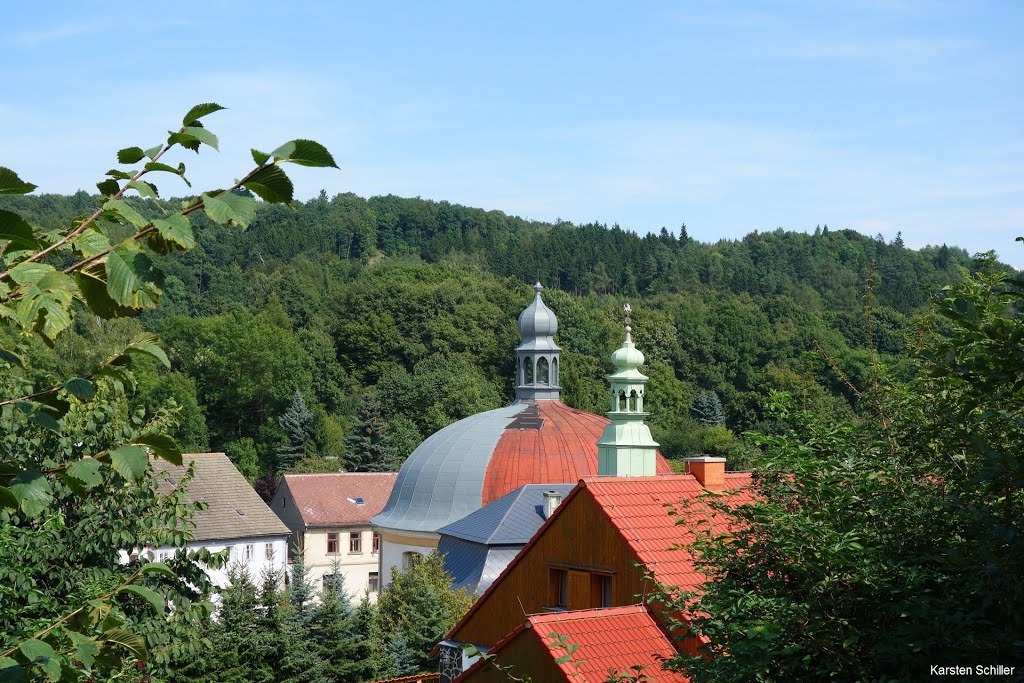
(329, 516)
(236, 517)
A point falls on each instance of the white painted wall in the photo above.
(394, 545)
(267, 553)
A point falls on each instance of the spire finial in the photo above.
(627, 309)
(537, 287)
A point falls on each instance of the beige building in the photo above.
(329, 517)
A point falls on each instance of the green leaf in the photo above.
(11, 671)
(91, 242)
(146, 344)
(157, 166)
(157, 568)
(125, 211)
(36, 650)
(120, 175)
(87, 471)
(147, 594)
(93, 288)
(204, 136)
(162, 446)
(153, 151)
(86, 649)
(131, 462)
(33, 492)
(305, 153)
(80, 388)
(7, 499)
(130, 155)
(11, 357)
(132, 641)
(177, 230)
(133, 280)
(17, 231)
(229, 207)
(45, 304)
(39, 417)
(259, 157)
(10, 183)
(31, 272)
(199, 111)
(144, 189)
(271, 184)
(108, 187)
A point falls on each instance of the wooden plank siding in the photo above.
(581, 542)
(523, 657)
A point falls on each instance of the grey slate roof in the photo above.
(235, 509)
(474, 566)
(478, 547)
(443, 479)
(510, 520)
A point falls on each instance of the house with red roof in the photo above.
(585, 646)
(329, 518)
(604, 546)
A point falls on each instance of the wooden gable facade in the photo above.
(577, 560)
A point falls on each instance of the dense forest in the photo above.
(339, 332)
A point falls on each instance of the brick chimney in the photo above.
(709, 471)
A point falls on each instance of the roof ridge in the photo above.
(581, 614)
(334, 474)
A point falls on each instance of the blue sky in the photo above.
(877, 116)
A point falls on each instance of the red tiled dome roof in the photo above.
(563, 450)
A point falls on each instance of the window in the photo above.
(358, 500)
(332, 544)
(284, 501)
(268, 551)
(559, 588)
(409, 558)
(542, 371)
(374, 584)
(600, 590)
(355, 542)
(376, 543)
(250, 550)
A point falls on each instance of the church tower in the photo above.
(626, 448)
(537, 355)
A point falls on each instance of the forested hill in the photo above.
(344, 330)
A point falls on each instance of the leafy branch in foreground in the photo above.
(75, 477)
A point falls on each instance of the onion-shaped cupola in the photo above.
(626, 448)
(537, 356)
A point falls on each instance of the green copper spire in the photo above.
(626, 448)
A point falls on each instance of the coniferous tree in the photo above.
(297, 423)
(301, 592)
(367, 448)
(707, 409)
(339, 642)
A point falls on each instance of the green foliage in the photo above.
(297, 425)
(416, 611)
(882, 546)
(707, 409)
(77, 493)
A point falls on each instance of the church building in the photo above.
(535, 440)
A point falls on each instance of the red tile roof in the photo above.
(327, 499)
(563, 450)
(610, 639)
(636, 507)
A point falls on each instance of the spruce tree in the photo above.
(301, 592)
(338, 641)
(297, 424)
(368, 447)
(707, 409)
